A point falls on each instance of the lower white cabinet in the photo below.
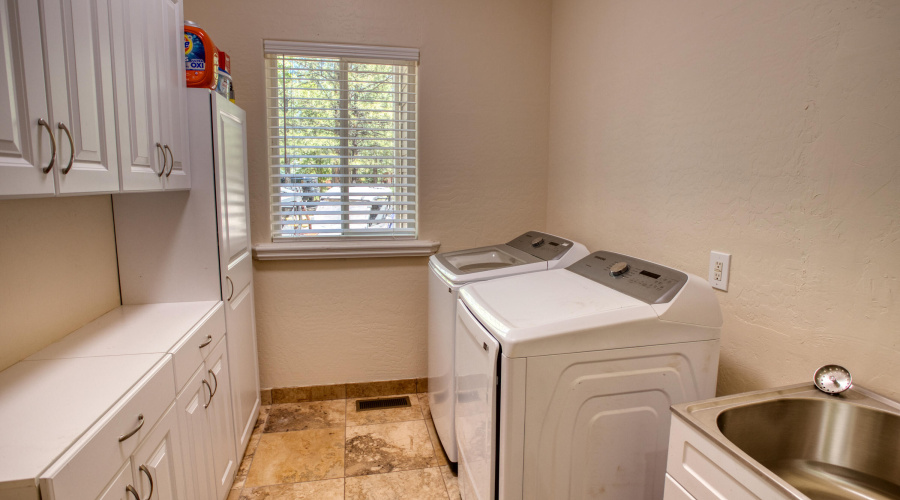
(205, 419)
(118, 488)
(136, 405)
(156, 466)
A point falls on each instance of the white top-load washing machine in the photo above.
(565, 378)
(529, 252)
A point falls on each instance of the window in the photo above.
(342, 141)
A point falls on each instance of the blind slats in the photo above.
(367, 91)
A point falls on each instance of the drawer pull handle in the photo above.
(49, 167)
(143, 468)
(171, 159)
(132, 433)
(208, 341)
(165, 159)
(210, 393)
(216, 380)
(130, 489)
(231, 294)
(63, 126)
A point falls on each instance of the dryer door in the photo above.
(476, 406)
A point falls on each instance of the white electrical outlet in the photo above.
(719, 265)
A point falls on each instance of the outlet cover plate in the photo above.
(719, 269)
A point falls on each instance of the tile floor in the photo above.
(326, 450)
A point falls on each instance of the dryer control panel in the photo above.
(541, 245)
(646, 281)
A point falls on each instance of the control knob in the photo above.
(618, 269)
(537, 242)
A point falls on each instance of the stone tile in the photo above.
(311, 393)
(261, 419)
(292, 457)
(304, 416)
(412, 412)
(265, 396)
(422, 384)
(384, 388)
(381, 448)
(439, 452)
(329, 489)
(451, 482)
(422, 484)
(423, 402)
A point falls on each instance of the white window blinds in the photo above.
(342, 140)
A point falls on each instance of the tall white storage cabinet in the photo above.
(189, 246)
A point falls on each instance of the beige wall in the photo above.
(766, 129)
(484, 93)
(57, 270)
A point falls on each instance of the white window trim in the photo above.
(362, 247)
(345, 249)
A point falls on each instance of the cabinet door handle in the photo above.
(130, 489)
(165, 160)
(216, 380)
(208, 341)
(143, 468)
(123, 437)
(230, 294)
(63, 126)
(49, 167)
(210, 393)
(171, 160)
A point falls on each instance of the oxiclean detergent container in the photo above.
(201, 58)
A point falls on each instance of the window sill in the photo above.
(345, 249)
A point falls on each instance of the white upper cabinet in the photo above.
(80, 78)
(28, 154)
(172, 90)
(152, 96)
(92, 97)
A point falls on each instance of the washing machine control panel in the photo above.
(541, 245)
(646, 281)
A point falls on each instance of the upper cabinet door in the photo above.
(135, 30)
(173, 93)
(26, 146)
(79, 62)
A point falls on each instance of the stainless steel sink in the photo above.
(826, 447)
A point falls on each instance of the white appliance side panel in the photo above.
(476, 406)
(597, 423)
(167, 243)
(511, 445)
(442, 298)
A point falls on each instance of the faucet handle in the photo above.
(832, 379)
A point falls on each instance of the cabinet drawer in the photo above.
(188, 353)
(83, 471)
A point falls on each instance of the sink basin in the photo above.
(826, 449)
(812, 445)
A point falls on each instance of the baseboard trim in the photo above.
(280, 395)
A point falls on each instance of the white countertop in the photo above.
(138, 329)
(45, 406)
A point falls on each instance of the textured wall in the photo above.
(57, 270)
(766, 129)
(483, 104)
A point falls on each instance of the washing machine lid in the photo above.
(529, 252)
(484, 263)
(559, 311)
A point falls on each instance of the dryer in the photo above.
(565, 378)
(529, 252)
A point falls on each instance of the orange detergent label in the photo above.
(201, 59)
